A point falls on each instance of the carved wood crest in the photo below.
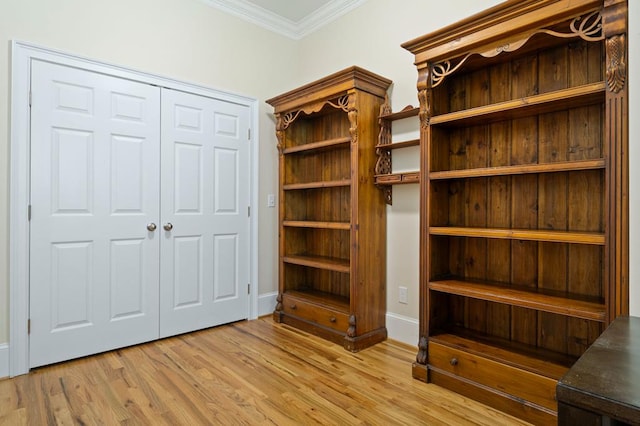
(588, 28)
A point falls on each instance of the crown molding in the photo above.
(264, 18)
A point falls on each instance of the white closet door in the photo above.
(205, 198)
(94, 188)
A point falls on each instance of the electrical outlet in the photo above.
(402, 295)
(271, 200)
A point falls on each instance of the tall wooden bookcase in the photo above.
(332, 217)
(524, 211)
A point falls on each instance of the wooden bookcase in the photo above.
(524, 215)
(332, 250)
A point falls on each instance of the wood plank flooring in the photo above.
(246, 373)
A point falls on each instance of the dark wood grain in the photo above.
(606, 379)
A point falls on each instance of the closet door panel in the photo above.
(205, 200)
(94, 191)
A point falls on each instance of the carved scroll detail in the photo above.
(443, 69)
(340, 103)
(383, 165)
(351, 331)
(352, 113)
(423, 344)
(385, 109)
(289, 118)
(588, 28)
(616, 63)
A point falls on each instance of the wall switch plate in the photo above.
(402, 295)
(271, 200)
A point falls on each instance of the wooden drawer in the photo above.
(317, 313)
(514, 381)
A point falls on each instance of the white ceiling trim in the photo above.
(296, 30)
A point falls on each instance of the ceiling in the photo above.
(292, 18)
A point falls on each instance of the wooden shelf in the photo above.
(408, 111)
(515, 296)
(397, 178)
(319, 225)
(531, 105)
(535, 360)
(398, 145)
(320, 262)
(339, 303)
(595, 238)
(317, 185)
(564, 166)
(314, 146)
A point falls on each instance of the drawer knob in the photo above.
(454, 361)
(293, 306)
(332, 319)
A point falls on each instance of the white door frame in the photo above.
(19, 196)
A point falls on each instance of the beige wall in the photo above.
(370, 37)
(187, 40)
(182, 39)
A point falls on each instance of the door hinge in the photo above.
(249, 288)
(249, 133)
(249, 211)
(29, 212)
(29, 326)
(30, 97)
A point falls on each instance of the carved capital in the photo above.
(616, 62)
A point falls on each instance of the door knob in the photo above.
(168, 226)
(151, 226)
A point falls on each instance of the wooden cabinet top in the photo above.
(507, 24)
(331, 86)
(606, 379)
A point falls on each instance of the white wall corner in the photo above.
(257, 15)
(4, 360)
(403, 329)
(267, 303)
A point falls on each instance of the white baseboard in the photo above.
(399, 327)
(266, 303)
(4, 360)
(402, 329)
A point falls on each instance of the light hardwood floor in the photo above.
(251, 372)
